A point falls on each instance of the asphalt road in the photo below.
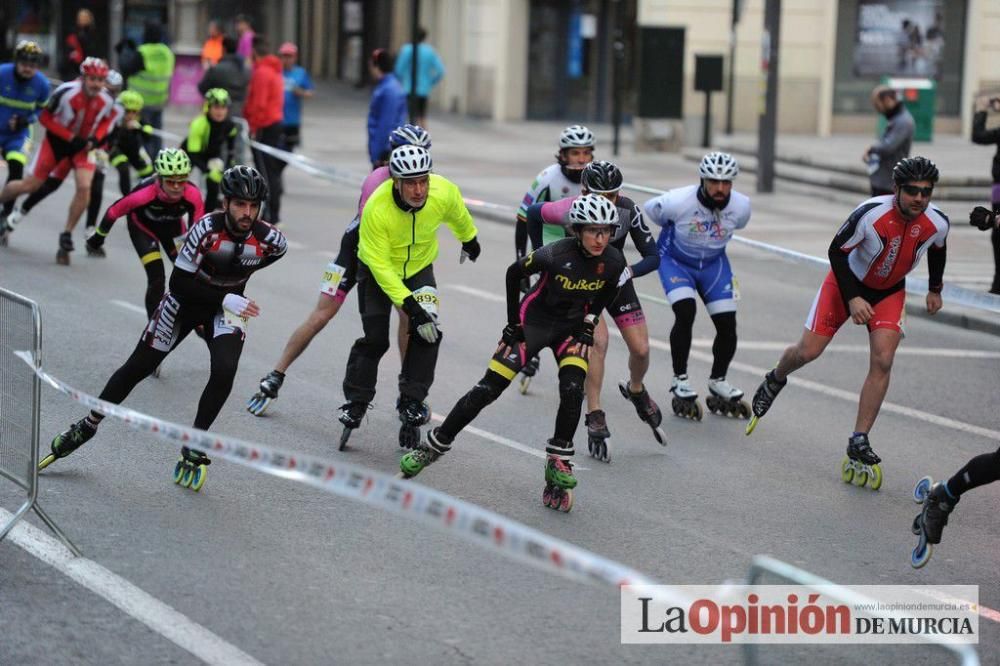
(289, 575)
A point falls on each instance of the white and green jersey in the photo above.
(550, 185)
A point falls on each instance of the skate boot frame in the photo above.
(191, 470)
(724, 399)
(685, 401)
(269, 386)
(647, 410)
(861, 464)
(597, 435)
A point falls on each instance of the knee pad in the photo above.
(487, 390)
(684, 311)
(571, 383)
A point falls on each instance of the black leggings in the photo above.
(15, 171)
(225, 353)
(723, 348)
(148, 246)
(977, 472)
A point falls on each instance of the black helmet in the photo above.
(910, 169)
(244, 182)
(602, 177)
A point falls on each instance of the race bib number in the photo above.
(233, 320)
(427, 297)
(331, 279)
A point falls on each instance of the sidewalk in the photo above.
(496, 161)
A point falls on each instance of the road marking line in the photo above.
(129, 306)
(517, 446)
(131, 600)
(823, 389)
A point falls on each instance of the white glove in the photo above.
(429, 331)
(235, 303)
(625, 276)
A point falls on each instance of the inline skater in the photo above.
(220, 253)
(698, 221)
(939, 500)
(123, 147)
(556, 181)
(338, 280)
(155, 210)
(397, 245)
(878, 245)
(605, 179)
(578, 279)
(76, 119)
(211, 142)
(24, 92)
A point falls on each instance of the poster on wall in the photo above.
(900, 38)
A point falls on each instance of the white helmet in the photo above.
(409, 162)
(576, 136)
(591, 209)
(718, 166)
(114, 80)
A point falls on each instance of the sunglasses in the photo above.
(913, 190)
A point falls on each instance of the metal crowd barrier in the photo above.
(762, 564)
(20, 405)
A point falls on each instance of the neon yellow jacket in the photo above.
(396, 245)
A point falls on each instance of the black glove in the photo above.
(982, 218)
(513, 335)
(76, 144)
(421, 321)
(470, 250)
(585, 335)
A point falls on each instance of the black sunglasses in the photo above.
(913, 190)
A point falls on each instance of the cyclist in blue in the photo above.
(698, 222)
(23, 92)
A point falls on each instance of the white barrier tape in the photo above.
(951, 294)
(409, 499)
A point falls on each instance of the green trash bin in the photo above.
(920, 98)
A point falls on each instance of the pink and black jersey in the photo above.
(148, 207)
(70, 113)
(881, 246)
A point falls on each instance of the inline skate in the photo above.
(269, 385)
(861, 464)
(725, 399)
(414, 462)
(647, 410)
(559, 484)
(529, 370)
(764, 397)
(685, 400)
(597, 435)
(65, 247)
(412, 415)
(191, 471)
(930, 522)
(69, 441)
(351, 414)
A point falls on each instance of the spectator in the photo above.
(895, 143)
(298, 86)
(430, 70)
(152, 81)
(387, 109)
(229, 75)
(263, 111)
(211, 50)
(984, 136)
(79, 45)
(245, 35)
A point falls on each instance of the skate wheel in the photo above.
(743, 410)
(921, 555)
(565, 501)
(661, 437)
(156, 372)
(344, 436)
(860, 478)
(187, 477)
(922, 489)
(525, 383)
(875, 477)
(752, 424)
(179, 471)
(547, 496)
(915, 526)
(258, 404)
(591, 447)
(696, 412)
(198, 476)
(47, 460)
(847, 470)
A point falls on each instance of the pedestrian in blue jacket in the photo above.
(387, 110)
(430, 70)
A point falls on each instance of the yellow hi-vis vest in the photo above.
(153, 82)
